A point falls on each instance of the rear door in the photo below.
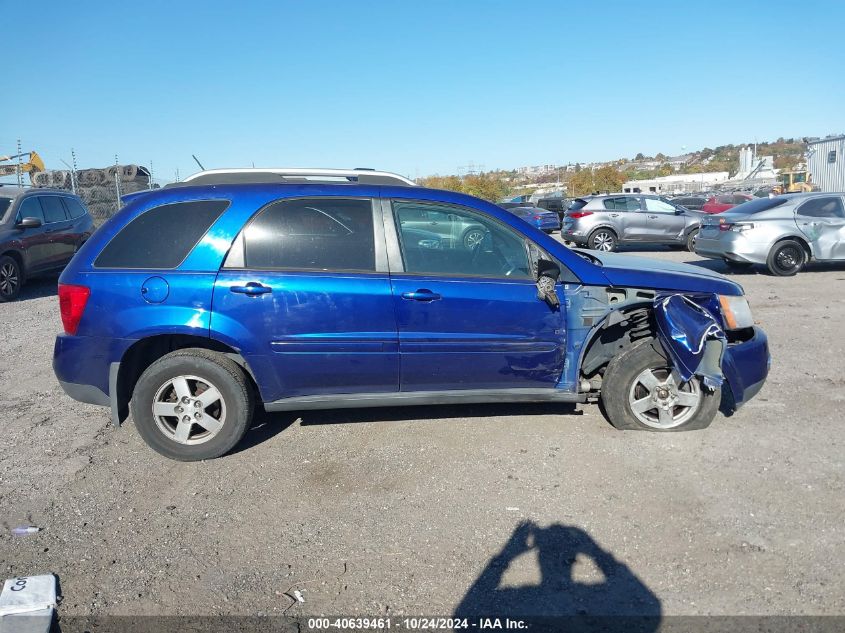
(822, 220)
(664, 223)
(58, 227)
(306, 291)
(626, 216)
(468, 313)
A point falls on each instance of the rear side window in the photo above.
(30, 208)
(822, 208)
(312, 234)
(74, 207)
(54, 210)
(161, 237)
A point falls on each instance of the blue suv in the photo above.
(293, 290)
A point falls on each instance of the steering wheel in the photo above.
(504, 265)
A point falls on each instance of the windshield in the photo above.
(5, 203)
(758, 205)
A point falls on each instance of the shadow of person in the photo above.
(579, 581)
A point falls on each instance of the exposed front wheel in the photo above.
(641, 391)
(192, 404)
(602, 240)
(691, 237)
(10, 278)
(786, 258)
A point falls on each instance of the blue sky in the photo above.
(417, 87)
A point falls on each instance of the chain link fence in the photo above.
(100, 189)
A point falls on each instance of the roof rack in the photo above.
(293, 175)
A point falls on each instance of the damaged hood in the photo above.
(634, 271)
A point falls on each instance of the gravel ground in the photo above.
(423, 510)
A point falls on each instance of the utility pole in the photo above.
(18, 170)
(117, 180)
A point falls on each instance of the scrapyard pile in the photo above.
(98, 188)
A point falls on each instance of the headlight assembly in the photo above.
(736, 311)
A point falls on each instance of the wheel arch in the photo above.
(796, 238)
(18, 257)
(124, 374)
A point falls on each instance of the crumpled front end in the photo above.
(692, 331)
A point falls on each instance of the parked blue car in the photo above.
(199, 302)
(543, 219)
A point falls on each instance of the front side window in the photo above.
(54, 210)
(161, 237)
(448, 240)
(30, 208)
(312, 234)
(652, 205)
(822, 208)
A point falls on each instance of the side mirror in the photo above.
(28, 223)
(548, 272)
(679, 211)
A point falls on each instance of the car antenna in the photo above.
(194, 156)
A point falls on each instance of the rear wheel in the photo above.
(192, 404)
(640, 391)
(786, 258)
(602, 240)
(10, 278)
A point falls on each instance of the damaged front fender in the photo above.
(693, 338)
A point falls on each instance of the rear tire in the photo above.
(786, 258)
(604, 240)
(639, 392)
(192, 404)
(11, 279)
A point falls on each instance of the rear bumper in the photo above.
(82, 365)
(732, 246)
(745, 366)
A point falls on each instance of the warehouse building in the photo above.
(826, 162)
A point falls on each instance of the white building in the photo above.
(676, 183)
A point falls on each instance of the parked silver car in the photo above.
(783, 233)
(604, 222)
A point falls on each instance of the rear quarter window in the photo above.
(74, 208)
(161, 237)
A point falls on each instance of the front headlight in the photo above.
(736, 311)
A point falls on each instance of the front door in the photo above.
(36, 242)
(302, 293)
(822, 220)
(467, 310)
(665, 224)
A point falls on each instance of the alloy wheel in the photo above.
(659, 400)
(603, 241)
(9, 279)
(473, 238)
(189, 410)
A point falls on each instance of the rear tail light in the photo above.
(72, 300)
(578, 214)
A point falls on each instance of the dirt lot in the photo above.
(392, 511)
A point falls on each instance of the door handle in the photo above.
(252, 289)
(652, 217)
(422, 294)
(614, 215)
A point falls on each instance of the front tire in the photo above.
(786, 258)
(11, 279)
(641, 392)
(602, 240)
(691, 237)
(192, 404)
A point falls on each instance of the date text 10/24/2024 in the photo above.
(416, 624)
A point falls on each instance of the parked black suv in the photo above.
(40, 230)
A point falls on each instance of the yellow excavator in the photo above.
(795, 182)
(9, 165)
